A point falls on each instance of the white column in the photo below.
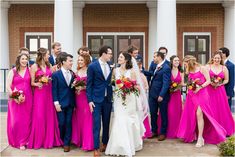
(4, 42)
(166, 26)
(77, 29)
(229, 28)
(63, 24)
(152, 40)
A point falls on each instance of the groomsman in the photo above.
(230, 85)
(56, 49)
(86, 50)
(159, 94)
(64, 98)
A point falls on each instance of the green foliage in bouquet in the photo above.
(227, 148)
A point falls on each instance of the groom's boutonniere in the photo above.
(112, 66)
(159, 68)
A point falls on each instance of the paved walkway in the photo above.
(152, 147)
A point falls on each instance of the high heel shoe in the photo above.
(200, 143)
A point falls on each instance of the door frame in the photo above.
(115, 40)
(198, 33)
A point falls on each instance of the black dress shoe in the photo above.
(153, 136)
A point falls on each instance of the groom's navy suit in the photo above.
(159, 86)
(99, 91)
(65, 95)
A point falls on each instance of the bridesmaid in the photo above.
(19, 111)
(175, 102)
(82, 121)
(221, 110)
(197, 122)
(45, 131)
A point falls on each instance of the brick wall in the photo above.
(27, 18)
(200, 18)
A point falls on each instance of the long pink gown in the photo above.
(174, 109)
(82, 122)
(19, 115)
(220, 106)
(45, 128)
(213, 132)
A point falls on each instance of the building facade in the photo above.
(197, 27)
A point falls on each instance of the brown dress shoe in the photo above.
(153, 136)
(103, 148)
(96, 153)
(66, 148)
(161, 138)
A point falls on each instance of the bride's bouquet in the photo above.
(124, 87)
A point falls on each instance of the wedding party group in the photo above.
(50, 105)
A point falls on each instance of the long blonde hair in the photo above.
(192, 63)
(214, 54)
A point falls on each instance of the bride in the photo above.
(127, 127)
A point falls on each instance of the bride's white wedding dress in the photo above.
(127, 127)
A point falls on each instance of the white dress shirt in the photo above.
(105, 68)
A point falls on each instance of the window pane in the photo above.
(95, 44)
(191, 45)
(108, 42)
(33, 44)
(201, 44)
(136, 43)
(202, 58)
(123, 44)
(44, 43)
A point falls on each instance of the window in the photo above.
(34, 41)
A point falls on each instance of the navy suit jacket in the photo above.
(230, 85)
(51, 60)
(161, 82)
(61, 91)
(96, 83)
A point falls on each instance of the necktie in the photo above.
(105, 70)
(67, 77)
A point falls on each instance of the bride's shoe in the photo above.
(200, 142)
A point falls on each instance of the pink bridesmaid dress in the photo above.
(19, 115)
(213, 132)
(220, 106)
(45, 128)
(82, 122)
(174, 109)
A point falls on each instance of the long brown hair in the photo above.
(17, 63)
(40, 57)
(192, 63)
(87, 60)
(214, 54)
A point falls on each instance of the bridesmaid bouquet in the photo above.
(43, 79)
(216, 80)
(174, 87)
(79, 84)
(193, 84)
(125, 87)
(18, 96)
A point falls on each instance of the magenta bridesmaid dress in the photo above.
(19, 115)
(174, 109)
(213, 132)
(220, 106)
(45, 129)
(82, 122)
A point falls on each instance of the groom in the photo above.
(159, 94)
(99, 94)
(64, 98)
